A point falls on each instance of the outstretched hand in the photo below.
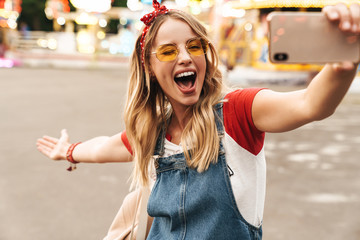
(54, 148)
(348, 19)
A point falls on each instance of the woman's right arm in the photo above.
(96, 150)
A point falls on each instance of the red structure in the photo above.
(65, 4)
(15, 5)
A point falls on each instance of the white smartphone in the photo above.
(307, 37)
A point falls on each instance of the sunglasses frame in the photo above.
(186, 46)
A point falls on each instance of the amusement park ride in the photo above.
(237, 28)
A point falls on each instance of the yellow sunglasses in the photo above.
(169, 52)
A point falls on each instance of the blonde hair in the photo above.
(147, 108)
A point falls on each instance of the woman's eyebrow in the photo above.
(172, 43)
(165, 43)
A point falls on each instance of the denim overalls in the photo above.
(187, 204)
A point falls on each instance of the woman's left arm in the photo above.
(279, 112)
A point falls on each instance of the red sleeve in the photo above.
(238, 120)
(125, 140)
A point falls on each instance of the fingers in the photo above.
(46, 143)
(46, 146)
(355, 13)
(348, 17)
(64, 136)
(50, 139)
(331, 13)
(51, 147)
(344, 66)
(345, 18)
(45, 150)
(51, 142)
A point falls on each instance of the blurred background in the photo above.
(65, 64)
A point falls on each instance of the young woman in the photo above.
(204, 143)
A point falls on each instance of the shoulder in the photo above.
(126, 142)
(244, 94)
(240, 101)
(238, 120)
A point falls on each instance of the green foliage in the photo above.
(113, 26)
(119, 3)
(72, 8)
(33, 15)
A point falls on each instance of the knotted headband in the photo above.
(147, 20)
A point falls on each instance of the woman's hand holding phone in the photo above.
(348, 19)
(307, 37)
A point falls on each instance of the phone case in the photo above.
(303, 37)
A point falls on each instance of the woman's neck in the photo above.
(177, 124)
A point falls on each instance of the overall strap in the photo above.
(219, 118)
(218, 112)
(159, 147)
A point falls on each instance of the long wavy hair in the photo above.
(147, 109)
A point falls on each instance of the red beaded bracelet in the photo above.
(70, 158)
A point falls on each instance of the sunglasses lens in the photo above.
(197, 47)
(166, 53)
(169, 52)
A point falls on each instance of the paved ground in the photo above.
(313, 189)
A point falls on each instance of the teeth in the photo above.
(184, 74)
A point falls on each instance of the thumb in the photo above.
(344, 66)
(64, 136)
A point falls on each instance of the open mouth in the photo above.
(185, 80)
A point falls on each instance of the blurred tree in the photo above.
(33, 15)
(119, 3)
(113, 26)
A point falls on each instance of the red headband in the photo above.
(147, 20)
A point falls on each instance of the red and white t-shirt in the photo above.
(244, 151)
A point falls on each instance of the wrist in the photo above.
(69, 156)
(64, 150)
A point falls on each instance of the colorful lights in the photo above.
(86, 19)
(6, 63)
(50, 43)
(9, 12)
(85, 42)
(60, 21)
(247, 4)
(102, 23)
(134, 5)
(229, 11)
(92, 5)
(100, 35)
(55, 7)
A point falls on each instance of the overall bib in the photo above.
(187, 204)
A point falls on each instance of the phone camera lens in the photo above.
(281, 57)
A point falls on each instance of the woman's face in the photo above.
(181, 79)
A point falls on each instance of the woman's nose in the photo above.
(184, 56)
